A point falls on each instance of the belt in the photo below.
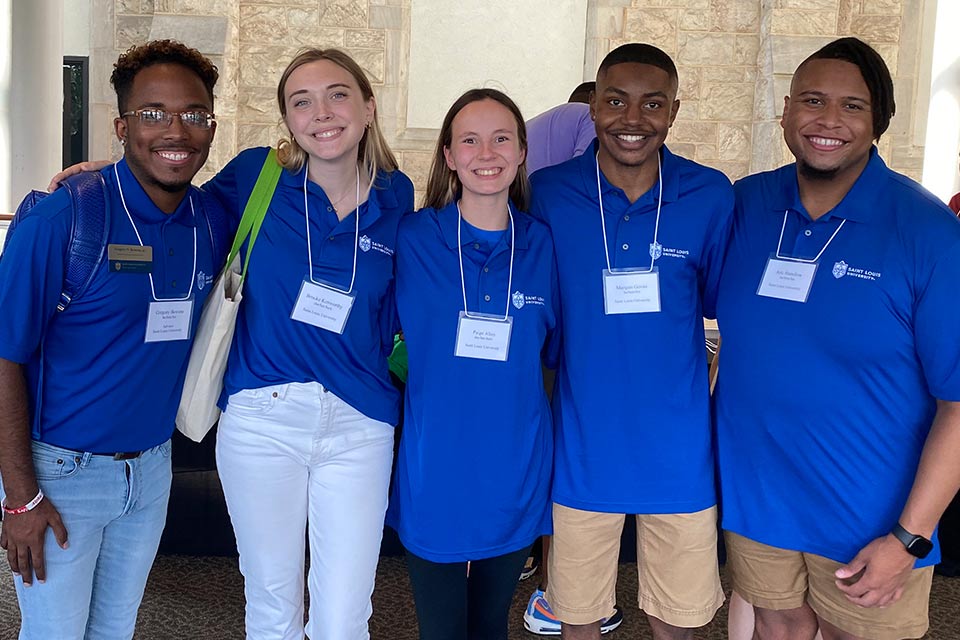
(123, 455)
(127, 455)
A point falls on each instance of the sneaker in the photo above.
(529, 567)
(539, 617)
(611, 623)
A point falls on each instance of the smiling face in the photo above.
(484, 149)
(634, 106)
(827, 120)
(164, 158)
(326, 112)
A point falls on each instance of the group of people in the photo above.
(835, 430)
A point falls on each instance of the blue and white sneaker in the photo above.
(540, 619)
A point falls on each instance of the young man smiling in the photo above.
(838, 421)
(639, 236)
(88, 395)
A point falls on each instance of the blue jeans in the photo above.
(114, 512)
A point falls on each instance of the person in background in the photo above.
(88, 395)
(563, 132)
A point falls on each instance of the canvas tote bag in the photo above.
(203, 384)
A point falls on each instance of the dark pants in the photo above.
(451, 606)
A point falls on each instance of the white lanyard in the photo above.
(656, 228)
(808, 261)
(153, 291)
(356, 239)
(463, 284)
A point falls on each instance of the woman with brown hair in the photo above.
(477, 298)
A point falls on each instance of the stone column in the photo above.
(31, 76)
(943, 116)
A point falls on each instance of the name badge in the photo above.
(130, 258)
(631, 291)
(483, 337)
(169, 320)
(322, 306)
(787, 279)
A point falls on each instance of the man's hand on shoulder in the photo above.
(80, 167)
(876, 576)
(23, 536)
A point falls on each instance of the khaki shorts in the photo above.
(777, 579)
(679, 582)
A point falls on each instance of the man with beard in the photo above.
(838, 421)
(88, 394)
(639, 235)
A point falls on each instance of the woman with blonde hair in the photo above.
(306, 436)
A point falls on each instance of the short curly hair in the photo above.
(139, 57)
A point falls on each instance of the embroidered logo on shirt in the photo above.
(520, 300)
(658, 251)
(203, 280)
(366, 244)
(841, 269)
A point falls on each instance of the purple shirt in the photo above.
(558, 134)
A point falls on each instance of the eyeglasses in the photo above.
(156, 118)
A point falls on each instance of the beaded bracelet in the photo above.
(30, 506)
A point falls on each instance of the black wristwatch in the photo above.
(916, 545)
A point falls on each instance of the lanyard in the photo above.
(656, 228)
(153, 291)
(356, 239)
(463, 283)
(808, 261)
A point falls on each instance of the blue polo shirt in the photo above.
(473, 473)
(269, 347)
(93, 384)
(631, 405)
(823, 407)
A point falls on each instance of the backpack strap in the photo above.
(88, 233)
(89, 226)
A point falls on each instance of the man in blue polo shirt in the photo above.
(88, 395)
(838, 420)
(639, 236)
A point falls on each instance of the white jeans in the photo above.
(292, 454)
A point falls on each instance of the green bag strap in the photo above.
(256, 208)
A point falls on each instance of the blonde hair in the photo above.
(373, 154)
(443, 185)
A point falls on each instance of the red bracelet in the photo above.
(30, 506)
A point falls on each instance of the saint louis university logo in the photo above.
(518, 299)
(203, 280)
(841, 269)
(656, 250)
(364, 243)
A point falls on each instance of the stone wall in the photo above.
(735, 59)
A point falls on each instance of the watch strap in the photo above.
(909, 541)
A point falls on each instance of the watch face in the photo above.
(920, 547)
